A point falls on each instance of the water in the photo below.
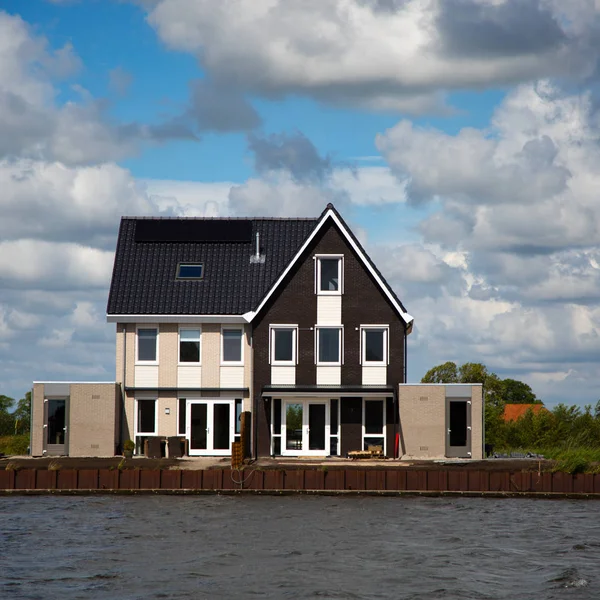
(297, 547)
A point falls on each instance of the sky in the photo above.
(458, 138)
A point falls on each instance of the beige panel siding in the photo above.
(168, 348)
(189, 376)
(129, 429)
(211, 355)
(329, 375)
(329, 310)
(423, 421)
(92, 415)
(37, 422)
(374, 375)
(146, 376)
(130, 336)
(477, 422)
(283, 375)
(232, 377)
(167, 423)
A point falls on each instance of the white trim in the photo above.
(386, 345)
(145, 433)
(233, 363)
(176, 319)
(340, 259)
(283, 363)
(210, 412)
(192, 363)
(146, 362)
(338, 363)
(249, 316)
(305, 430)
(325, 394)
(383, 435)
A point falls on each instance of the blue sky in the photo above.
(458, 138)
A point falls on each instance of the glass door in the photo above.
(305, 428)
(56, 426)
(316, 427)
(458, 420)
(210, 428)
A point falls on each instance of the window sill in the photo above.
(329, 364)
(189, 364)
(324, 293)
(283, 364)
(232, 364)
(146, 363)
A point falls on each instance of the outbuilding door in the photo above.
(55, 426)
(458, 428)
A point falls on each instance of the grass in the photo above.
(568, 458)
(14, 445)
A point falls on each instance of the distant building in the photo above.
(514, 412)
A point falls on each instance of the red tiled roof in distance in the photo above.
(513, 412)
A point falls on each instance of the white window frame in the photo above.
(340, 259)
(288, 363)
(341, 346)
(230, 363)
(382, 436)
(137, 338)
(145, 433)
(189, 328)
(386, 345)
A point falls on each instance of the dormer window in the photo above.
(329, 273)
(190, 271)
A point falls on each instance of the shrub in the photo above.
(14, 445)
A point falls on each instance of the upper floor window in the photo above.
(189, 345)
(374, 342)
(190, 271)
(147, 342)
(329, 345)
(232, 346)
(329, 274)
(283, 345)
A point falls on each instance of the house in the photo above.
(514, 412)
(286, 320)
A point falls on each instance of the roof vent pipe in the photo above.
(257, 257)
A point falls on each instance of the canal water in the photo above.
(144, 547)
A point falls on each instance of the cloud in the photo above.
(119, 80)
(379, 54)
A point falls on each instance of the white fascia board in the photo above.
(408, 319)
(176, 319)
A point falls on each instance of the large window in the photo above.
(146, 417)
(189, 345)
(329, 275)
(329, 345)
(374, 341)
(232, 346)
(147, 341)
(283, 345)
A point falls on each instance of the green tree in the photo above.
(7, 420)
(473, 373)
(446, 373)
(517, 392)
(22, 414)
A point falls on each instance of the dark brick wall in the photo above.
(296, 302)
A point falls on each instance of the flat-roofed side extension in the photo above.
(91, 421)
(429, 412)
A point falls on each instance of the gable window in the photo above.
(283, 345)
(190, 271)
(189, 345)
(374, 341)
(147, 341)
(329, 274)
(329, 345)
(232, 345)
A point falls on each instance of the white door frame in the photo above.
(305, 402)
(210, 411)
(382, 436)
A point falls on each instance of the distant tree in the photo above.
(517, 392)
(7, 420)
(473, 373)
(445, 373)
(22, 414)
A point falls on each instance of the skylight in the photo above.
(190, 271)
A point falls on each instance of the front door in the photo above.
(55, 424)
(458, 434)
(305, 428)
(210, 428)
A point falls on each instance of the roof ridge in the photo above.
(147, 218)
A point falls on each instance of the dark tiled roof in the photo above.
(144, 275)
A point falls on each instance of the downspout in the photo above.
(122, 424)
(254, 414)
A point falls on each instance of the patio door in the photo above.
(305, 428)
(55, 426)
(210, 427)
